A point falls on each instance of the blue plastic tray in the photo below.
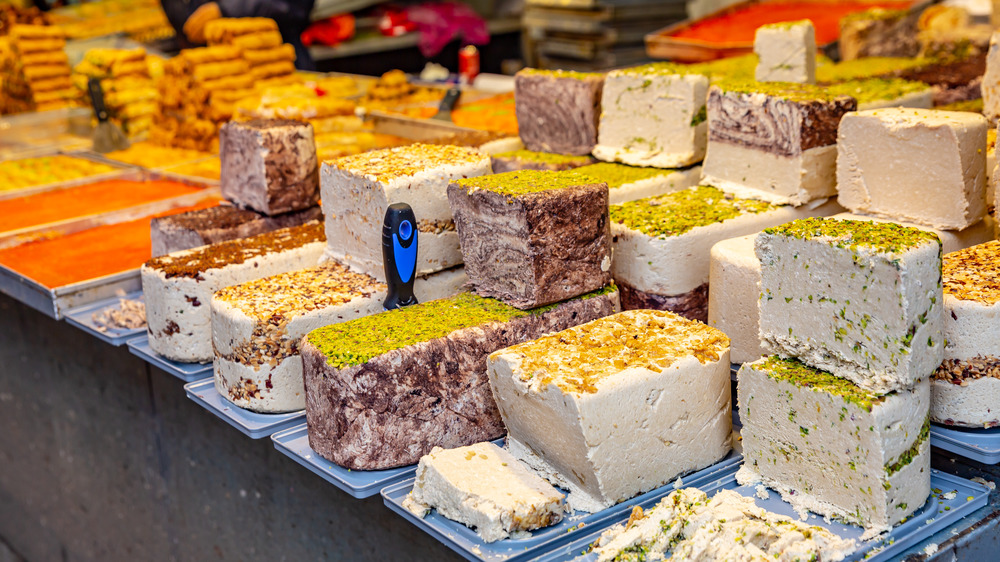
(358, 483)
(467, 543)
(251, 424)
(187, 372)
(981, 445)
(82, 317)
(937, 514)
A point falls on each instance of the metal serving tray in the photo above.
(83, 317)
(981, 445)
(937, 514)
(249, 423)
(187, 372)
(467, 543)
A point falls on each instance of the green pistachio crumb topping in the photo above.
(877, 89)
(908, 455)
(791, 91)
(562, 73)
(785, 24)
(358, 341)
(801, 375)
(661, 69)
(615, 175)
(882, 237)
(545, 157)
(675, 213)
(733, 68)
(867, 67)
(522, 182)
(873, 14)
(969, 106)
(700, 117)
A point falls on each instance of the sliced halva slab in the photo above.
(831, 447)
(178, 287)
(786, 52)
(358, 189)
(919, 165)
(653, 115)
(618, 406)
(965, 390)
(860, 299)
(486, 488)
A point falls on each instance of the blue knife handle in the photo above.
(399, 255)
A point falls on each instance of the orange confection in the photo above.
(88, 254)
(85, 200)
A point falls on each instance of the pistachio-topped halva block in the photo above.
(786, 52)
(653, 115)
(775, 141)
(628, 183)
(531, 238)
(918, 165)
(527, 160)
(257, 327)
(382, 391)
(618, 406)
(178, 287)
(877, 93)
(358, 189)
(661, 245)
(484, 487)
(557, 110)
(965, 389)
(951, 240)
(831, 447)
(860, 299)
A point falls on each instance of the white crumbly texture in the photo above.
(675, 265)
(756, 174)
(637, 430)
(174, 299)
(232, 328)
(951, 240)
(923, 99)
(499, 146)
(786, 52)
(831, 455)
(976, 404)
(658, 185)
(733, 289)
(486, 488)
(728, 527)
(354, 207)
(870, 317)
(922, 166)
(991, 80)
(652, 119)
(992, 176)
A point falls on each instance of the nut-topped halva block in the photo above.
(531, 238)
(178, 287)
(786, 52)
(190, 229)
(618, 406)
(484, 487)
(557, 110)
(358, 189)
(919, 165)
(269, 165)
(775, 141)
(512, 161)
(257, 327)
(965, 389)
(833, 448)
(661, 245)
(383, 391)
(628, 183)
(860, 299)
(654, 115)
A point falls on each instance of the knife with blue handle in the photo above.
(399, 255)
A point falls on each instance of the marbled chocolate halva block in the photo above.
(269, 165)
(531, 238)
(183, 231)
(383, 391)
(558, 110)
(661, 245)
(833, 448)
(358, 189)
(918, 165)
(859, 299)
(965, 389)
(178, 287)
(773, 141)
(653, 115)
(618, 406)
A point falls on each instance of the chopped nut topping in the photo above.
(402, 161)
(960, 371)
(973, 274)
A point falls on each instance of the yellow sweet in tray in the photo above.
(210, 168)
(31, 172)
(149, 155)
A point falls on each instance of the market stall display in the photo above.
(37, 72)
(26, 173)
(271, 62)
(129, 91)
